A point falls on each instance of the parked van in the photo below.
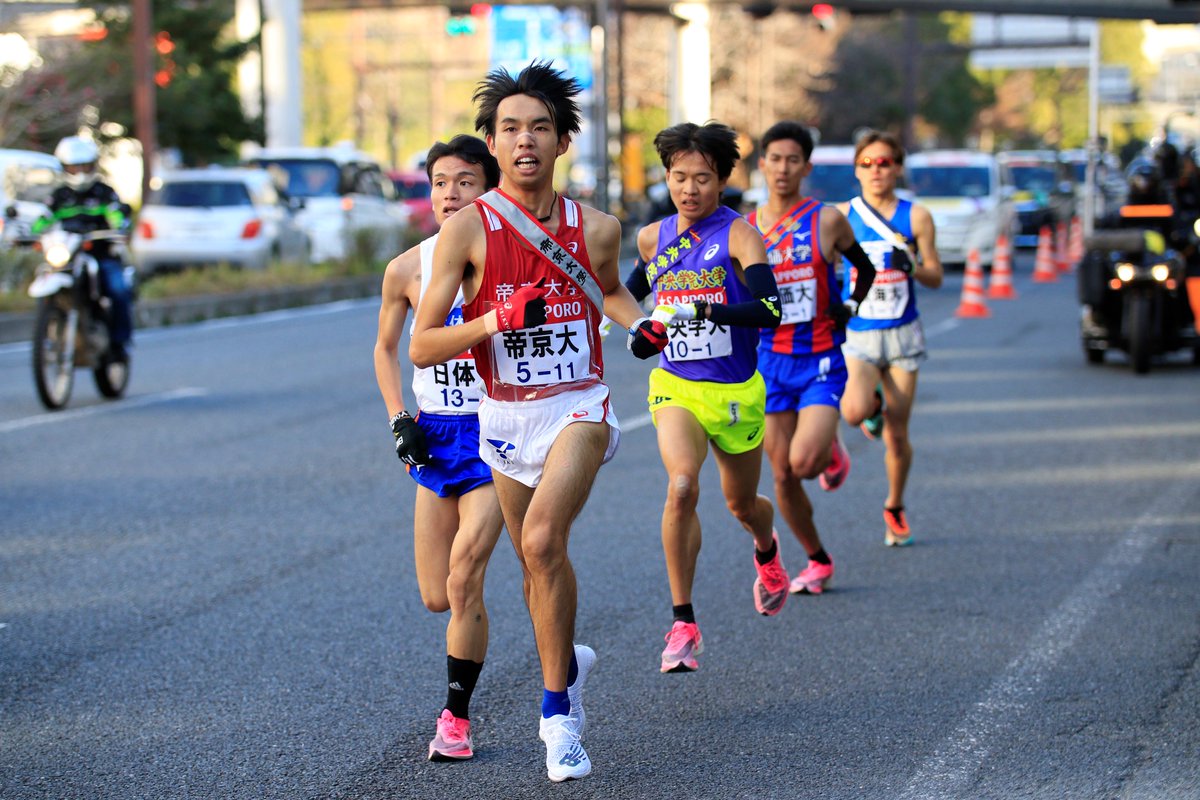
(345, 199)
(969, 204)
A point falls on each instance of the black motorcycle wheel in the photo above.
(1140, 312)
(112, 376)
(53, 372)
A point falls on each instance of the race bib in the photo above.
(453, 387)
(555, 352)
(696, 339)
(888, 296)
(797, 295)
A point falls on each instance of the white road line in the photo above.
(951, 770)
(635, 423)
(119, 405)
(218, 323)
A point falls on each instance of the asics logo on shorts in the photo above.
(503, 449)
(573, 757)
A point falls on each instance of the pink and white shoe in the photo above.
(814, 579)
(839, 467)
(453, 739)
(684, 643)
(771, 585)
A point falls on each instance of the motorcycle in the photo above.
(1132, 289)
(70, 328)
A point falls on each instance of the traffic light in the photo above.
(825, 15)
(164, 46)
(465, 20)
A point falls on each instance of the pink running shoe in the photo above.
(453, 739)
(683, 645)
(839, 467)
(771, 585)
(814, 579)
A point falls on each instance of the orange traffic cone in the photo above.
(972, 304)
(1075, 248)
(1061, 259)
(1001, 286)
(1044, 270)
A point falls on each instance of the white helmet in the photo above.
(75, 151)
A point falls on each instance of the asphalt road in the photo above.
(207, 591)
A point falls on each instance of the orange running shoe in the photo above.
(896, 532)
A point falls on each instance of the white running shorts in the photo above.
(515, 437)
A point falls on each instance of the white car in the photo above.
(216, 216)
(27, 179)
(347, 203)
(970, 205)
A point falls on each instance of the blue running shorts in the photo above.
(797, 381)
(454, 467)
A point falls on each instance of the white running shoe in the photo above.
(585, 659)
(565, 756)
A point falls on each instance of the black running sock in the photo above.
(461, 678)
(765, 558)
(684, 613)
(821, 557)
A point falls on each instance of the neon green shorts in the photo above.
(730, 413)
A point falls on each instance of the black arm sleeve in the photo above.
(761, 312)
(866, 271)
(637, 283)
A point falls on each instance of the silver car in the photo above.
(229, 216)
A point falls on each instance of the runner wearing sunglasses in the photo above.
(885, 343)
(801, 360)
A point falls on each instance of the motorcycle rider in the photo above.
(84, 204)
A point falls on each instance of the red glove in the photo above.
(525, 308)
(647, 338)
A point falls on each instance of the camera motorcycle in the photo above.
(71, 327)
(1132, 287)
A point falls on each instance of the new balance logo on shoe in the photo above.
(573, 757)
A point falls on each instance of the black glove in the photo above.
(647, 338)
(901, 261)
(842, 312)
(410, 440)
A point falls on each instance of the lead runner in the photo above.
(538, 272)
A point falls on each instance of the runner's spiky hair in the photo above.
(713, 140)
(539, 80)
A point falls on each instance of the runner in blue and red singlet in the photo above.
(801, 360)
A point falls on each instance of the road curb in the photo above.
(185, 310)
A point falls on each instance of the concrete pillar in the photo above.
(691, 83)
(274, 84)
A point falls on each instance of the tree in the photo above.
(866, 81)
(198, 110)
(92, 83)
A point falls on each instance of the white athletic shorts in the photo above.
(515, 436)
(902, 347)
